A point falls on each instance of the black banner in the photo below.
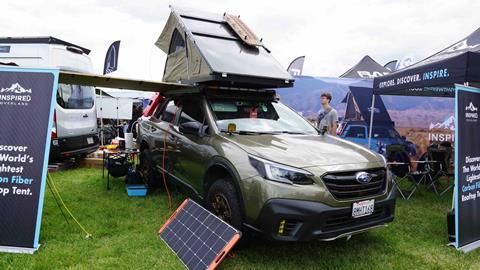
(467, 176)
(111, 58)
(26, 112)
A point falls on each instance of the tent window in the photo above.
(177, 43)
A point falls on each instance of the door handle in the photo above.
(85, 115)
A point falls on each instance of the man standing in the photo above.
(327, 116)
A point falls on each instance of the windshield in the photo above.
(258, 117)
(389, 133)
(71, 96)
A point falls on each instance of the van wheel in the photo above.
(146, 168)
(222, 200)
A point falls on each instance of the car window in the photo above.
(379, 132)
(193, 115)
(356, 132)
(70, 96)
(168, 113)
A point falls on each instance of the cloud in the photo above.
(334, 35)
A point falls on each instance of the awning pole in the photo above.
(372, 111)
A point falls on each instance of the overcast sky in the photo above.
(333, 35)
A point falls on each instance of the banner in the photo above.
(111, 58)
(296, 66)
(26, 112)
(467, 166)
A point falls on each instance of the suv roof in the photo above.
(41, 40)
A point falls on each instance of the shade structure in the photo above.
(437, 74)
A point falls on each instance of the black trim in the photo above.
(309, 220)
(40, 40)
(73, 146)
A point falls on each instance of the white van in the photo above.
(75, 122)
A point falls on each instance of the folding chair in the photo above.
(400, 166)
(439, 160)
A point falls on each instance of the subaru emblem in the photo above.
(363, 177)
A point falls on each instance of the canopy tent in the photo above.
(437, 74)
(367, 68)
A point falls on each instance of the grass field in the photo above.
(125, 229)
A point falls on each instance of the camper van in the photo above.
(74, 131)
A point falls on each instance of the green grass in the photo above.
(125, 236)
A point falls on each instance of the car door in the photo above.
(192, 141)
(161, 141)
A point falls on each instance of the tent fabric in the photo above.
(215, 54)
(366, 68)
(437, 74)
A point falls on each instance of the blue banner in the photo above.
(467, 166)
(27, 99)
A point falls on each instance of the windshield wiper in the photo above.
(247, 132)
(289, 132)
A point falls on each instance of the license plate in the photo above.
(363, 208)
(89, 140)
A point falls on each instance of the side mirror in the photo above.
(189, 128)
(324, 130)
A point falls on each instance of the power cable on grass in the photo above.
(87, 234)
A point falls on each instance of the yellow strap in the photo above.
(88, 235)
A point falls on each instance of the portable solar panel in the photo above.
(200, 239)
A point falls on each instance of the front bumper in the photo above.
(308, 220)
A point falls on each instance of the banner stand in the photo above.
(470, 247)
(467, 168)
(19, 250)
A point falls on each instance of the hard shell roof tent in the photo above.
(220, 50)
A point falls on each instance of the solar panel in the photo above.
(200, 239)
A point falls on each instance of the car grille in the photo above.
(343, 220)
(344, 186)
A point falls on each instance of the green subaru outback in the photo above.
(261, 167)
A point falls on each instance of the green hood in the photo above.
(304, 150)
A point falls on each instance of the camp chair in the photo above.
(439, 160)
(401, 167)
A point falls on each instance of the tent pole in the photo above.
(372, 111)
(101, 118)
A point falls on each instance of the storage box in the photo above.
(137, 190)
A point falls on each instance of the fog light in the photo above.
(281, 227)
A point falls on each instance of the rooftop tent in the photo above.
(215, 49)
(437, 74)
(366, 68)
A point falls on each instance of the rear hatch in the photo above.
(75, 111)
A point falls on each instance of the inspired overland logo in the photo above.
(15, 95)
(471, 113)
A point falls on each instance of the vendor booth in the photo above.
(450, 73)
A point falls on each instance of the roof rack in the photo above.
(41, 40)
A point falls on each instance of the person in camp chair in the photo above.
(327, 116)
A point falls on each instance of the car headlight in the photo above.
(280, 173)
